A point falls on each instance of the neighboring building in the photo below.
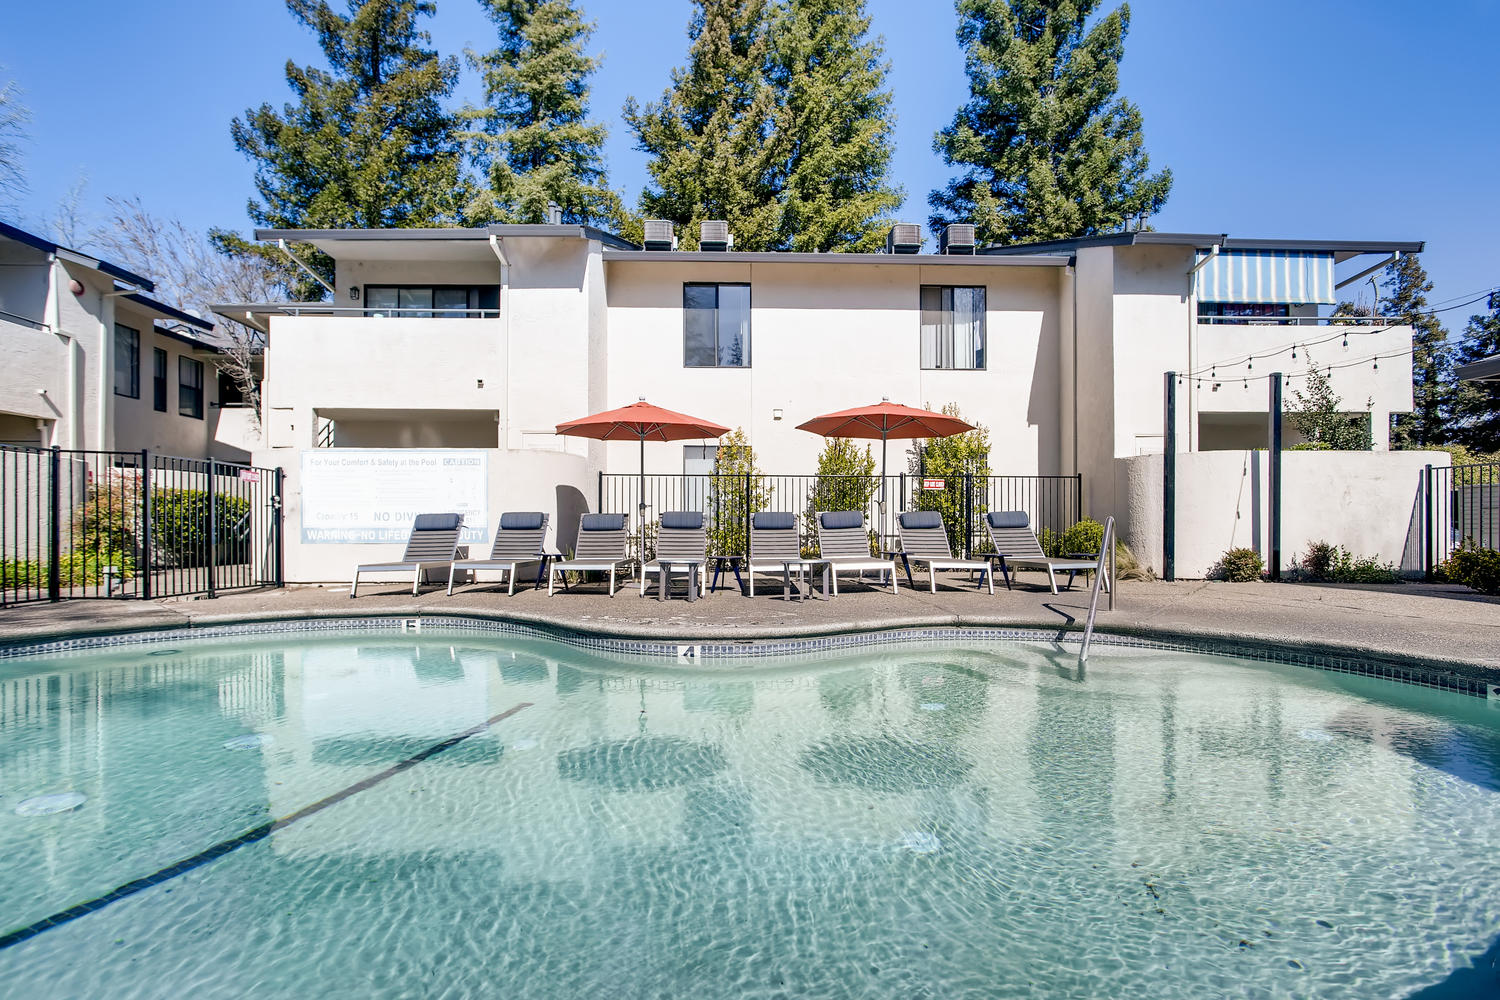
(92, 362)
(487, 338)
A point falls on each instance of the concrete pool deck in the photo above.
(1435, 625)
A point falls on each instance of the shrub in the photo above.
(736, 488)
(951, 458)
(76, 569)
(1325, 563)
(1473, 567)
(180, 527)
(1051, 542)
(1239, 566)
(105, 525)
(846, 481)
(1087, 536)
(1311, 446)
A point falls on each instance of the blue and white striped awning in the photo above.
(1289, 276)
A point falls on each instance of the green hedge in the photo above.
(180, 526)
(1475, 568)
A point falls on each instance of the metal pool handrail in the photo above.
(1106, 561)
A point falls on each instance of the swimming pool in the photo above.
(452, 814)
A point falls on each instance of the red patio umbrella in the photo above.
(641, 422)
(885, 420)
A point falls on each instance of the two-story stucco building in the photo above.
(92, 362)
(486, 338)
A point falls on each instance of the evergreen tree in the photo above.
(711, 138)
(1476, 405)
(835, 119)
(534, 141)
(1432, 379)
(368, 142)
(1047, 148)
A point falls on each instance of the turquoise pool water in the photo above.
(459, 816)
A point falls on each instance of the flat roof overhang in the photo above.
(1342, 250)
(778, 257)
(1483, 370)
(434, 244)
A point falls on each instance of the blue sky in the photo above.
(1305, 119)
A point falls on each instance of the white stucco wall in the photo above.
(1368, 502)
(136, 422)
(829, 336)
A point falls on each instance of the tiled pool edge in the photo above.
(1475, 680)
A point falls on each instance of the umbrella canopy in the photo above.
(885, 420)
(640, 421)
(643, 422)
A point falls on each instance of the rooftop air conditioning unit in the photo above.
(958, 237)
(713, 234)
(659, 235)
(904, 237)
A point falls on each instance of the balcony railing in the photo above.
(1302, 320)
(320, 309)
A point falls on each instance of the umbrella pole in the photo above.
(640, 513)
(880, 531)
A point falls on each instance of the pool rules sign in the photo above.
(363, 495)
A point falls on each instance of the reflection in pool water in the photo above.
(922, 821)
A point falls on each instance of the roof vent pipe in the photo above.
(904, 237)
(658, 235)
(554, 214)
(957, 238)
(714, 236)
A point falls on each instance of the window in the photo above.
(1252, 310)
(159, 379)
(230, 394)
(952, 327)
(127, 362)
(716, 326)
(190, 388)
(426, 301)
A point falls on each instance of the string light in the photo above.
(1294, 352)
(1377, 362)
(1251, 366)
(1346, 341)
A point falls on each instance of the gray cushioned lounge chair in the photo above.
(602, 544)
(433, 543)
(844, 544)
(1010, 531)
(775, 543)
(518, 540)
(680, 538)
(924, 539)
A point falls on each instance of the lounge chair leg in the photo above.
(989, 578)
(451, 569)
(354, 587)
(551, 579)
(512, 575)
(932, 578)
(416, 580)
(1052, 579)
(612, 580)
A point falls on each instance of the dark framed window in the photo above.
(1253, 310)
(190, 387)
(230, 394)
(953, 327)
(427, 301)
(715, 325)
(127, 361)
(159, 379)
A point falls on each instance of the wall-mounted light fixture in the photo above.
(776, 413)
(354, 292)
(479, 383)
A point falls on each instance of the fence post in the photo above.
(747, 518)
(1427, 541)
(1273, 476)
(276, 525)
(1078, 495)
(1169, 481)
(213, 528)
(599, 501)
(147, 526)
(968, 513)
(54, 506)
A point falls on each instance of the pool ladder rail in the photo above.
(1104, 574)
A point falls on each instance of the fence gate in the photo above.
(113, 524)
(1462, 508)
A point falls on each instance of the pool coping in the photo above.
(737, 646)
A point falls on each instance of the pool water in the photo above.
(459, 816)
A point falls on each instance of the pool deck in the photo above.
(1431, 624)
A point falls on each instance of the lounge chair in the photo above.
(518, 540)
(924, 539)
(775, 547)
(602, 544)
(1010, 531)
(844, 544)
(682, 541)
(433, 543)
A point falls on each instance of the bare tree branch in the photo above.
(13, 135)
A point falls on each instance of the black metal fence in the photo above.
(1055, 503)
(112, 524)
(1463, 508)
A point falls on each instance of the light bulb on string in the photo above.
(1247, 383)
(1377, 362)
(1294, 352)
(1346, 341)
(1251, 367)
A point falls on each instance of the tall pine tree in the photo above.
(368, 142)
(1476, 407)
(533, 140)
(835, 115)
(1432, 384)
(712, 137)
(1047, 148)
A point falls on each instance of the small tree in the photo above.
(951, 458)
(846, 481)
(736, 491)
(1316, 415)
